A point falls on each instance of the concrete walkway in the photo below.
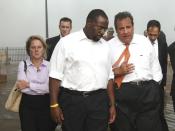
(9, 121)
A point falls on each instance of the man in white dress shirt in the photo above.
(137, 97)
(80, 73)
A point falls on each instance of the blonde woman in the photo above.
(34, 109)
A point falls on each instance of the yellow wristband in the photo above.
(54, 105)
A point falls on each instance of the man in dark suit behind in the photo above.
(65, 26)
(171, 51)
(158, 39)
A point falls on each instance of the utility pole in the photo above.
(46, 15)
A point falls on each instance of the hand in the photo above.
(22, 84)
(57, 114)
(124, 68)
(112, 114)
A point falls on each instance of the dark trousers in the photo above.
(138, 107)
(84, 112)
(173, 91)
(162, 116)
(34, 113)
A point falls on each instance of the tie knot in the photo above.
(126, 45)
(153, 42)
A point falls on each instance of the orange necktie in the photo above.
(126, 55)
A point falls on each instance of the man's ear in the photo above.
(89, 22)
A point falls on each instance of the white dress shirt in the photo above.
(155, 45)
(142, 55)
(80, 63)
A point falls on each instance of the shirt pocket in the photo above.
(141, 59)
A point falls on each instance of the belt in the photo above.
(82, 93)
(138, 83)
(35, 96)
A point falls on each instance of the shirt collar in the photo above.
(133, 41)
(82, 36)
(29, 62)
(61, 36)
(154, 42)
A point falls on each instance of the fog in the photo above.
(22, 18)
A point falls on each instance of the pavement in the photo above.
(9, 121)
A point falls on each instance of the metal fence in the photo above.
(12, 54)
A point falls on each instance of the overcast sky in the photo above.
(22, 18)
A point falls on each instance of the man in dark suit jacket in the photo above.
(158, 39)
(171, 51)
(65, 26)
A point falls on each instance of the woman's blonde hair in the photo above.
(36, 37)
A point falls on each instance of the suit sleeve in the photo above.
(171, 51)
(164, 62)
